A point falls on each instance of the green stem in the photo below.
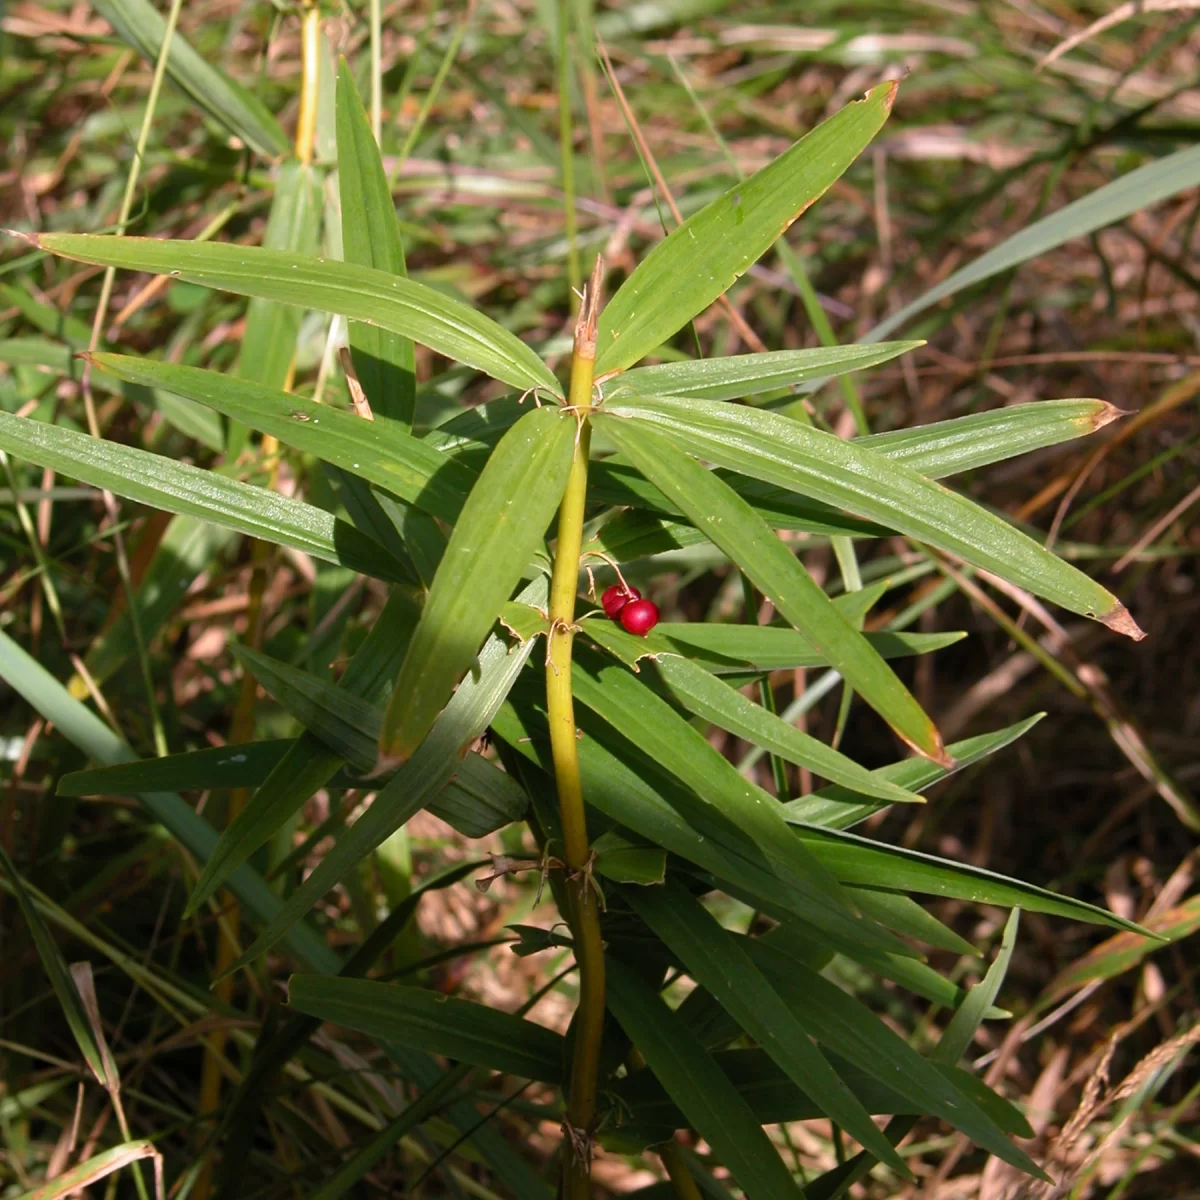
(583, 902)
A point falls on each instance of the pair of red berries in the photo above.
(624, 603)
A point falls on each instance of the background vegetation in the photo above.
(1094, 801)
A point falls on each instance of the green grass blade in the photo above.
(75, 1180)
(702, 693)
(698, 1086)
(55, 966)
(403, 306)
(140, 25)
(841, 473)
(1140, 188)
(699, 261)
(501, 525)
(741, 375)
(730, 523)
(80, 726)
(384, 361)
(427, 1020)
(717, 961)
(176, 487)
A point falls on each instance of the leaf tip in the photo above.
(30, 239)
(1120, 621)
(1106, 415)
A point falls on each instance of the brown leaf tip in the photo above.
(1107, 414)
(30, 239)
(1119, 621)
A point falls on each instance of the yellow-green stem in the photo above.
(583, 899)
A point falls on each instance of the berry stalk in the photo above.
(583, 899)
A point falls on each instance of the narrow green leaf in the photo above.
(701, 259)
(377, 451)
(56, 969)
(645, 1107)
(416, 783)
(403, 306)
(415, 1016)
(717, 961)
(731, 524)
(713, 1107)
(741, 375)
(838, 472)
(849, 1028)
(839, 808)
(480, 799)
(176, 487)
(858, 860)
(384, 361)
(978, 439)
(1138, 190)
(733, 649)
(80, 726)
(502, 523)
(702, 693)
(342, 721)
(946, 1053)
(139, 24)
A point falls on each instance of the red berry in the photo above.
(616, 597)
(639, 616)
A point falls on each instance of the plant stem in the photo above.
(583, 900)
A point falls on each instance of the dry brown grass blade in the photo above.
(736, 319)
(1120, 14)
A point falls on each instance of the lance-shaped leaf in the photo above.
(859, 860)
(966, 443)
(644, 1104)
(383, 360)
(176, 487)
(501, 525)
(427, 1020)
(725, 649)
(711, 698)
(377, 451)
(701, 259)
(730, 523)
(847, 1027)
(141, 25)
(739, 375)
(717, 961)
(838, 472)
(839, 808)
(360, 293)
(698, 1086)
